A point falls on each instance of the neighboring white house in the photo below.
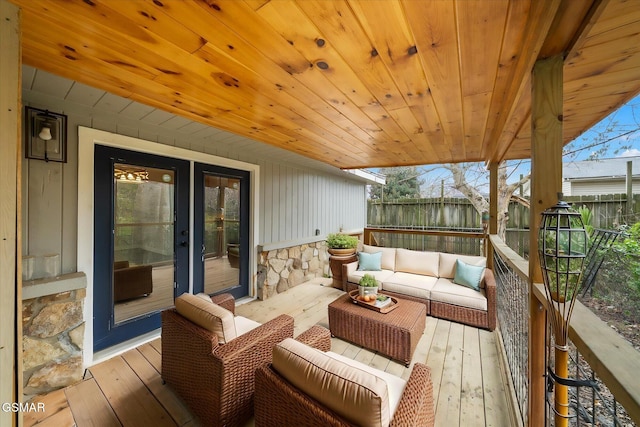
(604, 176)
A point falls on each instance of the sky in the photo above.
(618, 135)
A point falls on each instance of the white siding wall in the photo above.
(295, 202)
(295, 199)
(609, 186)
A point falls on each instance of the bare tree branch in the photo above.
(461, 182)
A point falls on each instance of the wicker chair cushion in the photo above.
(204, 296)
(353, 393)
(388, 261)
(417, 262)
(207, 315)
(244, 325)
(395, 384)
(448, 264)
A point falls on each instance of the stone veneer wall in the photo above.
(281, 269)
(53, 331)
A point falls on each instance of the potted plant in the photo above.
(342, 248)
(368, 287)
(341, 244)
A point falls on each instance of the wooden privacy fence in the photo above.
(452, 213)
(456, 242)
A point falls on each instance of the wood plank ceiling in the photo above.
(352, 83)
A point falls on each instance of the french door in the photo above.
(141, 235)
(221, 230)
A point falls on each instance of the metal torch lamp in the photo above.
(562, 248)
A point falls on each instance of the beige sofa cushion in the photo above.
(448, 263)
(207, 315)
(417, 262)
(388, 256)
(351, 392)
(415, 285)
(446, 291)
(381, 276)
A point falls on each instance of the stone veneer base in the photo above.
(53, 333)
(281, 269)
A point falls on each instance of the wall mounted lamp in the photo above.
(45, 135)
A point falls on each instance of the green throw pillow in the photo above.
(369, 262)
(468, 275)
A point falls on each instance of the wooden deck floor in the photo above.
(127, 390)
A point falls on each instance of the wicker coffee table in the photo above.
(394, 334)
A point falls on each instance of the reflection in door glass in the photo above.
(143, 269)
(221, 249)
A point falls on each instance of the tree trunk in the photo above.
(505, 191)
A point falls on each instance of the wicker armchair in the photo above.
(216, 380)
(279, 403)
(131, 282)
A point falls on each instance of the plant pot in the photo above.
(342, 252)
(335, 264)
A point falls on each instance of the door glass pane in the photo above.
(221, 249)
(144, 262)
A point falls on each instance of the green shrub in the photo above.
(629, 248)
(341, 241)
(587, 219)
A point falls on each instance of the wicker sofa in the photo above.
(428, 277)
(306, 387)
(211, 369)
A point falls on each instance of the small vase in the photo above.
(367, 290)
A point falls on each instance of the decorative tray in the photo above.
(375, 305)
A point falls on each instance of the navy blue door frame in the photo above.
(105, 331)
(200, 172)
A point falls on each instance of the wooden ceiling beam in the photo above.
(538, 23)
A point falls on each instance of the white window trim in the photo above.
(87, 139)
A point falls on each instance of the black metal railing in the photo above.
(513, 308)
(596, 350)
